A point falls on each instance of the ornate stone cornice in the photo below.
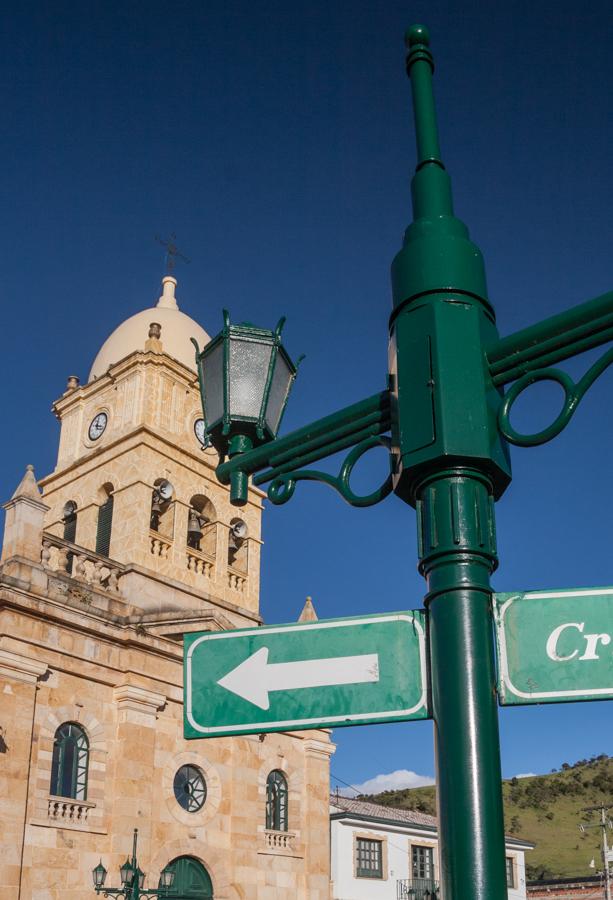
(21, 668)
(317, 748)
(138, 699)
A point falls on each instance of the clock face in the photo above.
(199, 430)
(97, 426)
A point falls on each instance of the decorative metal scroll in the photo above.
(573, 394)
(282, 488)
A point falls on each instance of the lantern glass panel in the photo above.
(99, 875)
(281, 381)
(249, 362)
(167, 877)
(126, 873)
(212, 384)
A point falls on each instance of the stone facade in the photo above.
(95, 639)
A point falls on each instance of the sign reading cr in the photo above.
(590, 649)
(555, 645)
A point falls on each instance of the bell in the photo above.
(195, 522)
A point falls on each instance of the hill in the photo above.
(545, 809)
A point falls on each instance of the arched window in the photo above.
(191, 881)
(69, 762)
(105, 522)
(276, 801)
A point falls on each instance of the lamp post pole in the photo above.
(450, 436)
(450, 464)
(458, 555)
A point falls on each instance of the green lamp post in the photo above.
(449, 459)
(132, 879)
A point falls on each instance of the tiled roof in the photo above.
(393, 814)
(377, 811)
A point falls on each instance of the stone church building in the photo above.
(127, 545)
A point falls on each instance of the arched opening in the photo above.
(238, 545)
(202, 525)
(69, 519)
(105, 521)
(191, 881)
(69, 762)
(162, 508)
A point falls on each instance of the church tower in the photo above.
(134, 484)
(107, 562)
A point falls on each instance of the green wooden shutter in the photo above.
(70, 527)
(105, 522)
(70, 533)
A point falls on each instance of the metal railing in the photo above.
(417, 889)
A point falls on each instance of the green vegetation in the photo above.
(545, 809)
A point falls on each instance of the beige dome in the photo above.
(177, 329)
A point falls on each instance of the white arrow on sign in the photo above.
(255, 678)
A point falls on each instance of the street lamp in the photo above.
(132, 879)
(449, 458)
(245, 377)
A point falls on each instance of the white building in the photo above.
(381, 853)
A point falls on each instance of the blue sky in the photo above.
(276, 140)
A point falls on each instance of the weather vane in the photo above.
(172, 252)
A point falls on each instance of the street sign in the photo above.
(554, 646)
(329, 673)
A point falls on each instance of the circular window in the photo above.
(190, 788)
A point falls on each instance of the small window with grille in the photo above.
(369, 858)
(510, 869)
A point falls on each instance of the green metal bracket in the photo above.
(527, 356)
(282, 487)
(281, 461)
(573, 394)
(557, 338)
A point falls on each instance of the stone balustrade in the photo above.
(59, 555)
(279, 840)
(200, 563)
(237, 581)
(69, 811)
(159, 546)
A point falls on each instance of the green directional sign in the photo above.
(323, 674)
(555, 646)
